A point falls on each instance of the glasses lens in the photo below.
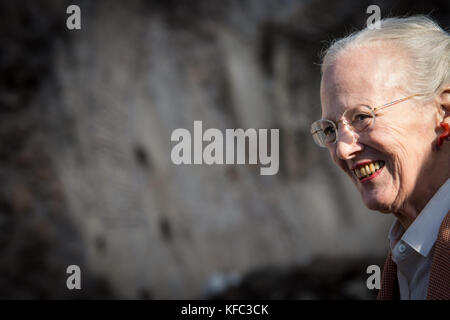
(360, 118)
(323, 132)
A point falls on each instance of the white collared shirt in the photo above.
(413, 253)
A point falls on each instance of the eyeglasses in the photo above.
(359, 119)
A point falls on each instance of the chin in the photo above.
(377, 203)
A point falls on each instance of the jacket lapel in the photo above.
(389, 284)
(439, 284)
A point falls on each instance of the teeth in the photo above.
(368, 169)
(363, 171)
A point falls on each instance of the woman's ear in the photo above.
(444, 112)
(444, 102)
(445, 98)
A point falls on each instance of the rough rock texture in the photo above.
(38, 239)
(86, 118)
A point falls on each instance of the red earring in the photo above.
(445, 134)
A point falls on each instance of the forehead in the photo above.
(371, 74)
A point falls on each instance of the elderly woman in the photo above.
(385, 97)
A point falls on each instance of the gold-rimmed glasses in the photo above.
(358, 118)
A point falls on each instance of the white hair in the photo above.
(426, 44)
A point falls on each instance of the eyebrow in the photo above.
(334, 119)
(352, 106)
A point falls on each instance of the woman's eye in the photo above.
(328, 130)
(361, 117)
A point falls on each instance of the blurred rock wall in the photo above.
(86, 158)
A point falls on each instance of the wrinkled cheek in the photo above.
(398, 168)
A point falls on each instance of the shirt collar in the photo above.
(423, 232)
(395, 233)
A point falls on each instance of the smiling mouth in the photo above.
(368, 169)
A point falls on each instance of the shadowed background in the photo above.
(85, 170)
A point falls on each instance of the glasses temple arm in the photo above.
(394, 102)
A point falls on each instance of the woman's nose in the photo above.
(347, 145)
